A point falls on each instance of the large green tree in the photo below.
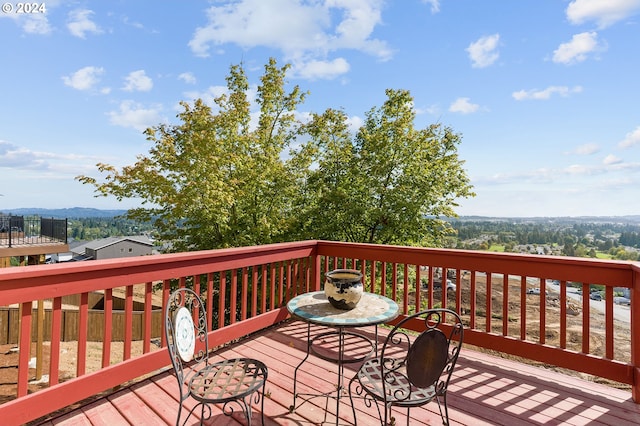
(220, 178)
(391, 184)
(216, 179)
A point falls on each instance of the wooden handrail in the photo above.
(26, 285)
(267, 276)
(375, 260)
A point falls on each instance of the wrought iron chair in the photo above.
(411, 372)
(230, 382)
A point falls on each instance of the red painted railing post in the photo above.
(315, 271)
(25, 348)
(635, 332)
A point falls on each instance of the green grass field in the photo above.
(603, 255)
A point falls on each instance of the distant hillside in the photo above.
(73, 212)
(85, 212)
(633, 219)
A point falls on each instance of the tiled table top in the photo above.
(315, 308)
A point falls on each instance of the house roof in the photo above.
(105, 242)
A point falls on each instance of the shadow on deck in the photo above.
(485, 390)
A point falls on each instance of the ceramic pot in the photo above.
(343, 288)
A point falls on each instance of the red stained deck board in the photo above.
(134, 409)
(527, 390)
(280, 386)
(103, 414)
(485, 390)
(155, 396)
(78, 420)
(273, 347)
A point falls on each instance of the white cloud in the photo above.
(84, 79)
(138, 81)
(587, 149)
(484, 51)
(12, 156)
(208, 96)
(37, 24)
(631, 139)
(5, 147)
(610, 166)
(578, 49)
(463, 106)
(545, 94)
(187, 77)
(134, 24)
(314, 69)
(134, 115)
(21, 158)
(80, 23)
(603, 12)
(611, 159)
(307, 32)
(354, 123)
(31, 23)
(283, 24)
(435, 5)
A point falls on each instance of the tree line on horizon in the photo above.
(618, 240)
(572, 238)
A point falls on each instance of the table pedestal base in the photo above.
(340, 359)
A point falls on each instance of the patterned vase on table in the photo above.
(343, 288)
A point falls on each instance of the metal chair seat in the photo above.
(227, 380)
(399, 391)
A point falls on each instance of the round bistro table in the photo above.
(314, 308)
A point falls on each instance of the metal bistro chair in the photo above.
(412, 372)
(226, 382)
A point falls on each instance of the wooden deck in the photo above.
(485, 390)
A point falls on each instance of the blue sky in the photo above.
(544, 93)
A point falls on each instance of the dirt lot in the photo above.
(68, 354)
(9, 358)
(622, 341)
(68, 362)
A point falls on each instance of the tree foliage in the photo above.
(93, 228)
(390, 184)
(221, 178)
(213, 180)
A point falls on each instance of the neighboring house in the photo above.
(59, 257)
(75, 253)
(107, 248)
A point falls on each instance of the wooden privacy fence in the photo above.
(10, 325)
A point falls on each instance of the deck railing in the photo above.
(247, 289)
(503, 326)
(18, 231)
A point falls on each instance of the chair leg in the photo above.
(353, 408)
(179, 414)
(262, 402)
(228, 408)
(202, 414)
(368, 401)
(389, 420)
(445, 415)
(248, 411)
